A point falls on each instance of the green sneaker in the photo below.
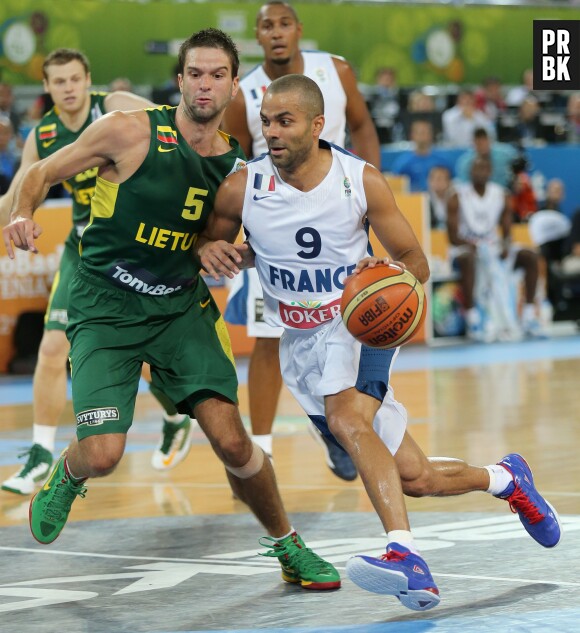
(50, 507)
(38, 463)
(300, 564)
(174, 446)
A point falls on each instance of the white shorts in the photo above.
(328, 360)
(245, 305)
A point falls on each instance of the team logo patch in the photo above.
(258, 93)
(347, 188)
(166, 134)
(264, 183)
(47, 132)
(238, 165)
(94, 417)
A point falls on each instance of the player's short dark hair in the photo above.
(62, 56)
(277, 3)
(210, 38)
(310, 93)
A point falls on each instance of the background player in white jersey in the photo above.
(302, 260)
(67, 78)
(475, 212)
(278, 31)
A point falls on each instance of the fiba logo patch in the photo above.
(556, 54)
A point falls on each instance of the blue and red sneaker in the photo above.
(398, 573)
(537, 516)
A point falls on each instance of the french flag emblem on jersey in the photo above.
(259, 93)
(264, 183)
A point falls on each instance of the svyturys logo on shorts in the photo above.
(94, 417)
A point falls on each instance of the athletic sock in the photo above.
(405, 538)
(264, 442)
(75, 480)
(499, 479)
(44, 435)
(281, 538)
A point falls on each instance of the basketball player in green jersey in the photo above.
(67, 79)
(137, 295)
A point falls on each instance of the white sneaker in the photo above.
(34, 471)
(174, 446)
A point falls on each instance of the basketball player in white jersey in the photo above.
(306, 233)
(474, 214)
(278, 31)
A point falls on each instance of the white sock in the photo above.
(75, 479)
(529, 312)
(403, 537)
(281, 538)
(264, 442)
(174, 419)
(499, 479)
(44, 435)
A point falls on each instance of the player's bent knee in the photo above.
(252, 467)
(54, 347)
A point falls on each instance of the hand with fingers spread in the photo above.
(21, 231)
(222, 258)
(371, 262)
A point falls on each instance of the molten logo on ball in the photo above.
(383, 306)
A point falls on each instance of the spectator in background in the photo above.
(489, 98)
(516, 95)
(555, 193)
(440, 191)
(461, 121)
(9, 154)
(420, 102)
(523, 199)
(384, 103)
(168, 93)
(528, 128)
(418, 162)
(573, 118)
(501, 156)
(7, 107)
(121, 83)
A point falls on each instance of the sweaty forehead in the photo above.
(207, 58)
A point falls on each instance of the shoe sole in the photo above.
(311, 584)
(16, 491)
(391, 583)
(38, 480)
(318, 439)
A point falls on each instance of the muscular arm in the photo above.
(363, 133)
(117, 144)
(215, 248)
(235, 122)
(29, 157)
(390, 225)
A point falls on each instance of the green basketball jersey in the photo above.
(52, 135)
(141, 231)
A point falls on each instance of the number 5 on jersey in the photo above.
(194, 206)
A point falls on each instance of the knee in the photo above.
(100, 457)
(54, 347)
(234, 451)
(347, 431)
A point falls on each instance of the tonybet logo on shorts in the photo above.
(94, 417)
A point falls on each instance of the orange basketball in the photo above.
(383, 306)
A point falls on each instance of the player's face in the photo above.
(207, 85)
(278, 33)
(480, 172)
(288, 130)
(68, 86)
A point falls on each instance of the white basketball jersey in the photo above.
(479, 215)
(321, 69)
(306, 242)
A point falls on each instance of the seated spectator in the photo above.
(555, 193)
(418, 101)
(474, 214)
(168, 93)
(489, 98)
(571, 260)
(516, 95)
(501, 156)
(573, 118)
(523, 197)
(7, 107)
(528, 128)
(461, 121)
(9, 154)
(384, 103)
(121, 83)
(418, 162)
(440, 191)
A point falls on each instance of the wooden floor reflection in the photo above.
(478, 414)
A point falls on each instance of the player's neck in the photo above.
(203, 138)
(310, 173)
(294, 66)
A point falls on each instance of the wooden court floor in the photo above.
(475, 403)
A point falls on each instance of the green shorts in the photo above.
(112, 331)
(55, 317)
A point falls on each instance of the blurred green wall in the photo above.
(427, 44)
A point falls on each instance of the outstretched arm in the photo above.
(215, 248)
(391, 227)
(234, 122)
(363, 133)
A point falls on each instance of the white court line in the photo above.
(526, 581)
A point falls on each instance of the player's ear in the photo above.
(318, 124)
